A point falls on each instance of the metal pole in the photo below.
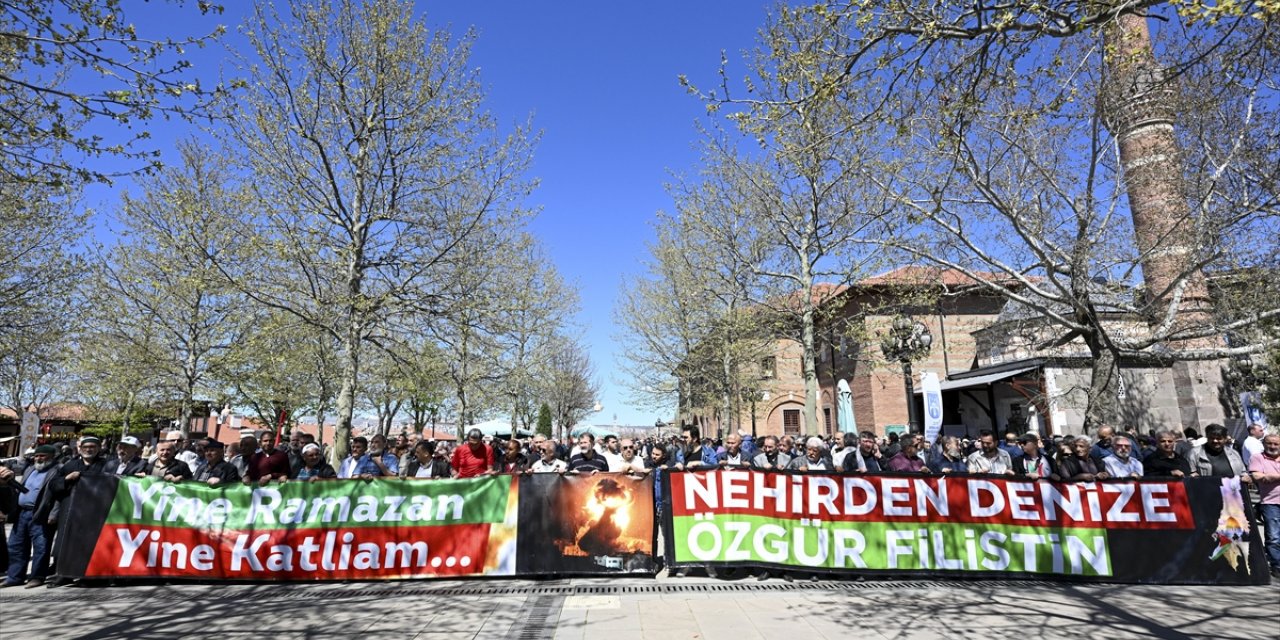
(912, 418)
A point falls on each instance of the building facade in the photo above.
(984, 352)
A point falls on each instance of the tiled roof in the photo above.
(926, 276)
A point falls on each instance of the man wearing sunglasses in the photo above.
(1122, 463)
(630, 460)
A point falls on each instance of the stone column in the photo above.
(1139, 109)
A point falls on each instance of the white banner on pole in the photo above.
(931, 390)
(1251, 402)
(28, 431)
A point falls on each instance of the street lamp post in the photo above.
(908, 341)
(754, 396)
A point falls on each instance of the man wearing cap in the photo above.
(314, 467)
(167, 465)
(30, 537)
(473, 458)
(90, 462)
(216, 471)
(128, 461)
(1031, 462)
(268, 463)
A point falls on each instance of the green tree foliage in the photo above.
(378, 174)
(779, 215)
(65, 64)
(169, 308)
(39, 297)
(544, 420)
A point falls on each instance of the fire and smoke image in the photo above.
(585, 524)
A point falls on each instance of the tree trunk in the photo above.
(128, 414)
(462, 411)
(322, 405)
(1104, 385)
(810, 368)
(184, 417)
(726, 422)
(346, 402)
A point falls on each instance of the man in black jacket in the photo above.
(167, 465)
(128, 461)
(1165, 462)
(1032, 462)
(425, 462)
(90, 462)
(216, 471)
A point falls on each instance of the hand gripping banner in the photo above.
(1192, 531)
(355, 529)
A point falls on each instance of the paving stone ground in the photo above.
(633, 609)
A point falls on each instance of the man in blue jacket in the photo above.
(31, 537)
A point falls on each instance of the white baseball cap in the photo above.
(131, 441)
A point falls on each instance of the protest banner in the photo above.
(354, 529)
(1192, 531)
(585, 524)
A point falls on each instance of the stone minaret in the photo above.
(1140, 109)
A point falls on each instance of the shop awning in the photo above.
(980, 381)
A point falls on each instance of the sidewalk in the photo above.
(630, 609)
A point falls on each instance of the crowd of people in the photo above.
(33, 488)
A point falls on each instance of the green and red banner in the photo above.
(1193, 531)
(356, 529)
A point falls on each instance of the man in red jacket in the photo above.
(473, 458)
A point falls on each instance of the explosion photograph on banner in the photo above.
(586, 524)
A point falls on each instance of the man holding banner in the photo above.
(30, 538)
(989, 458)
(1265, 470)
(216, 471)
(1032, 463)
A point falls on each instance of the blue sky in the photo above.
(600, 80)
